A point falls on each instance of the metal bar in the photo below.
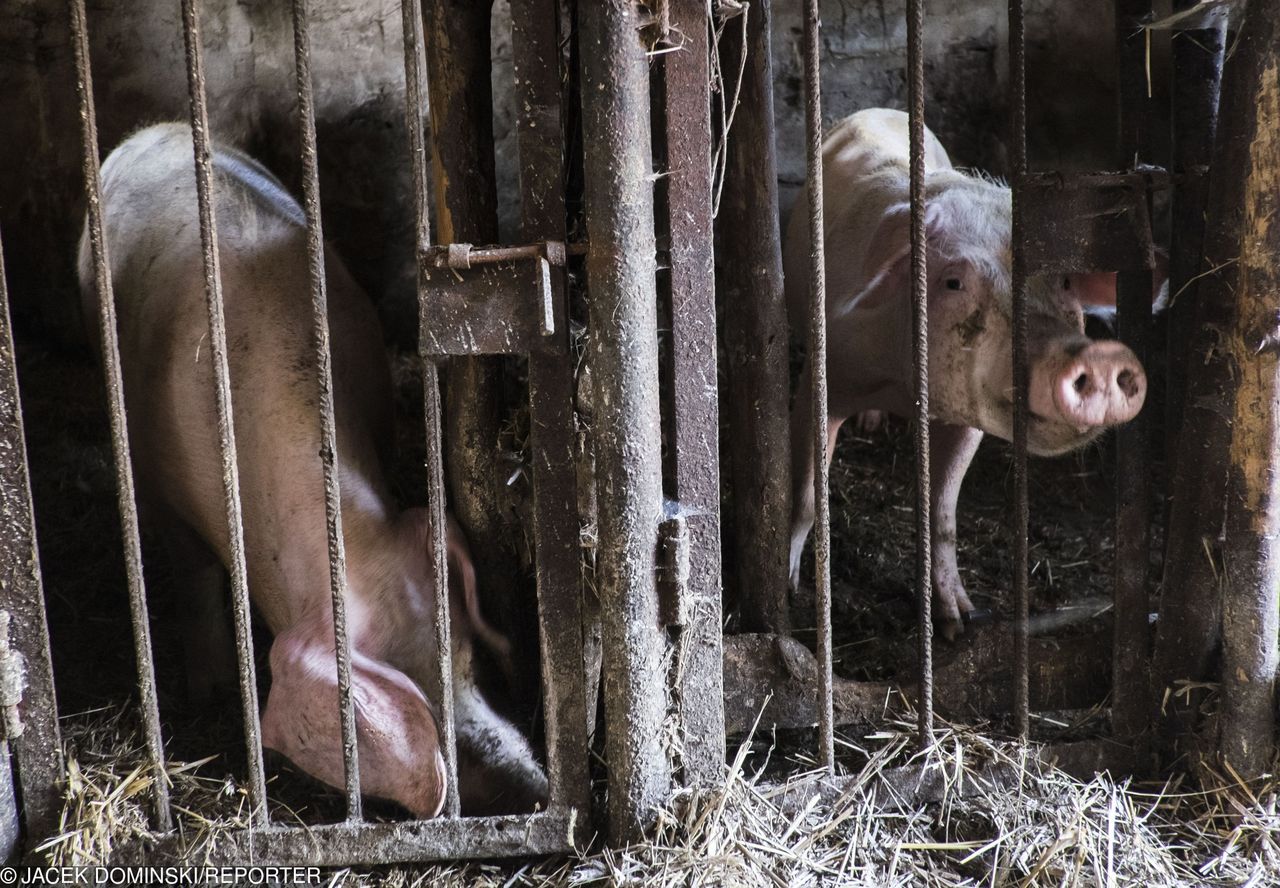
(1131, 688)
(125, 497)
(535, 48)
(686, 97)
(1249, 154)
(756, 335)
(817, 357)
(226, 422)
(1190, 600)
(1021, 376)
(448, 255)
(362, 843)
(624, 361)
(920, 332)
(459, 87)
(324, 383)
(411, 21)
(38, 751)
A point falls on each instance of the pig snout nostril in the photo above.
(1081, 383)
(1127, 381)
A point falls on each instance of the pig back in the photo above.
(153, 238)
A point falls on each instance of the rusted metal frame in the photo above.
(817, 357)
(489, 309)
(1021, 375)
(920, 341)
(1187, 631)
(125, 496)
(1249, 152)
(1131, 678)
(226, 423)
(324, 383)
(535, 48)
(460, 94)
(411, 22)
(624, 359)
(755, 336)
(694, 409)
(457, 255)
(1086, 221)
(346, 843)
(37, 752)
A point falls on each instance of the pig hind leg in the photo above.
(497, 773)
(803, 468)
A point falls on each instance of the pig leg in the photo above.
(208, 645)
(803, 468)
(399, 749)
(951, 449)
(497, 773)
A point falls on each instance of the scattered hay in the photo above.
(1000, 818)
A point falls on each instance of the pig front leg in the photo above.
(951, 449)
(803, 468)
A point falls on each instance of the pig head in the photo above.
(1078, 387)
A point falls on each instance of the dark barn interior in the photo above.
(1122, 539)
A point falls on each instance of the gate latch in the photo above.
(13, 681)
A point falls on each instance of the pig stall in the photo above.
(573, 219)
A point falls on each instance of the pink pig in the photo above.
(153, 237)
(1079, 387)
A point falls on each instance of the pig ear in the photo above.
(1094, 288)
(462, 580)
(395, 730)
(885, 266)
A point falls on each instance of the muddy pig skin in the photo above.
(153, 240)
(1079, 387)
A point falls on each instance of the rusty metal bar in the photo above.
(1190, 601)
(343, 844)
(125, 497)
(411, 22)
(226, 424)
(535, 47)
(920, 333)
(1249, 155)
(37, 752)
(1021, 376)
(756, 336)
(324, 383)
(459, 255)
(624, 359)
(1131, 685)
(817, 357)
(695, 454)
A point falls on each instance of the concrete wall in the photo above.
(140, 77)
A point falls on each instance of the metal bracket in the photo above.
(13, 681)
(1087, 222)
(672, 568)
(491, 300)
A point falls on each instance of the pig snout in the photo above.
(1099, 385)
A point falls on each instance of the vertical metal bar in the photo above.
(686, 97)
(226, 422)
(38, 752)
(324, 382)
(920, 333)
(624, 359)
(818, 367)
(1131, 693)
(755, 335)
(1021, 378)
(411, 21)
(535, 48)
(1249, 156)
(126, 500)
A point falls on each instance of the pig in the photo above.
(153, 238)
(1078, 387)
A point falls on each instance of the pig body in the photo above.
(1078, 387)
(153, 238)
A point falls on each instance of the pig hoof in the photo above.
(951, 629)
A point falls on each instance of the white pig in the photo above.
(1079, 387)
(153, 238)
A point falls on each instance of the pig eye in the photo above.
(955, 284)
(1066, 283)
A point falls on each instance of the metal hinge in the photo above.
(13, 681)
